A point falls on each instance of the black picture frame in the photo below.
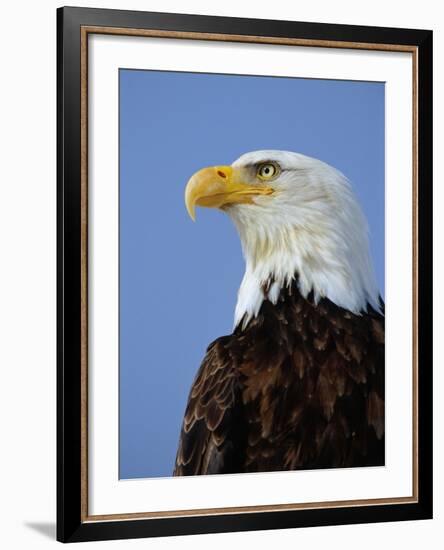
(71, 523)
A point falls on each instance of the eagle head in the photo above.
(298, 220)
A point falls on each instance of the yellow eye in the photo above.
(266, 171)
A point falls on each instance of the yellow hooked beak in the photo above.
(219, 186)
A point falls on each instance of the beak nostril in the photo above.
(221, 174)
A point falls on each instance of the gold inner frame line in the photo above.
(84, 33)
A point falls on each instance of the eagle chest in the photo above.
(275, 397)
(308, 388)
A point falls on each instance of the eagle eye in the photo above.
(267, 170)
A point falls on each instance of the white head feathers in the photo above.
(311, 228)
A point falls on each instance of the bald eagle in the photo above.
(299, 384)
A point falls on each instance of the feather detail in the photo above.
(300, 387)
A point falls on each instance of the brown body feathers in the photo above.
(301, 387)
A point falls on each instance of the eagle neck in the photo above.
(279, 258)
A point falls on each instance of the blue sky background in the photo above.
(179, 279)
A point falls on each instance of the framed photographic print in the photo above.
(244, 274)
